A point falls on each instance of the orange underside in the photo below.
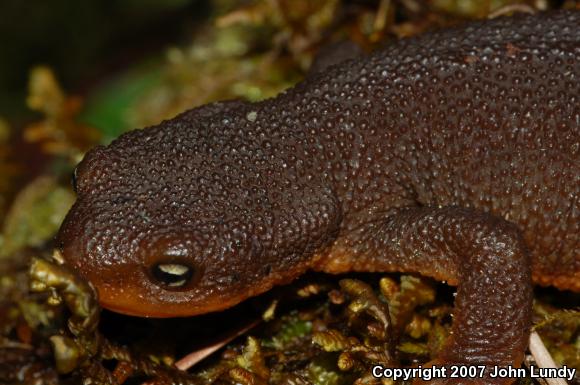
(562, 282)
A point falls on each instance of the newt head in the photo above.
(191, 216)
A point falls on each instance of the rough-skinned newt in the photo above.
(455, 155)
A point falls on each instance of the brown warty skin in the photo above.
(455, 155)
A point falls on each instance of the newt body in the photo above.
(455, 155)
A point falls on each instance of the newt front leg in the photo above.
(484, 255)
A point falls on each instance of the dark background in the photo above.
(82, 41)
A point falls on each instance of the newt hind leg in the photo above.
(482, 254)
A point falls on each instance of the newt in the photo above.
(454, 154)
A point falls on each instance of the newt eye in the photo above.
(74, 180)
(172, 275)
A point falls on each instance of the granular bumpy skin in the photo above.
(455, 154)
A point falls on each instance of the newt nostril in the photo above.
(172, 275)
